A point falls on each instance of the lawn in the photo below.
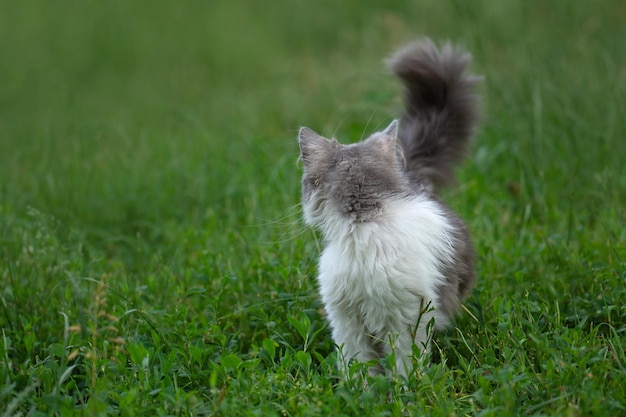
(153, 260)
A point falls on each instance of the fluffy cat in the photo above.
(395, 257)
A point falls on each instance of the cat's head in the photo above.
(350, 181)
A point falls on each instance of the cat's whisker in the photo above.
(339, 126)
(289, 224)
(365, 129)
(292, 212)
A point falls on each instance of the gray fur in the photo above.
(441, 109)
(356, 178)
(459, 272)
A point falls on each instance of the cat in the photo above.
(396, 258)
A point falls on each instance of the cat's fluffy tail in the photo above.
(442, 109)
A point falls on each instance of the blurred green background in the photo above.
(150, 146)
(118, 116)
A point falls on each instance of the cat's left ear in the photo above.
(312, 145)
(389, 137)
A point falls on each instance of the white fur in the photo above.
(374, 277)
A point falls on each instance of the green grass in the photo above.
(152, 261)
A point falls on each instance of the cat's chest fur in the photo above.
(375, 268)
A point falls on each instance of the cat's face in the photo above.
(350, 180)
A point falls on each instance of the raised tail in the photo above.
(442, 109)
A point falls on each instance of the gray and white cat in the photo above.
(395, 257)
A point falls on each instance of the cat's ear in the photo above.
(312, 145)
(392, 129)
(389, 137)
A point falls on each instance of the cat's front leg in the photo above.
(406, 361)
(352, 340)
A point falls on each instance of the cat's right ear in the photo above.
(312, 145)
(392, 129)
